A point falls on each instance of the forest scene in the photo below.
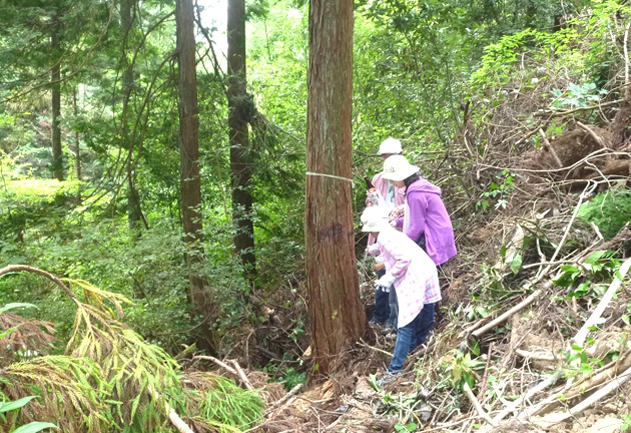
(274, 216)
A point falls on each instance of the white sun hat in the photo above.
(397, 167)
(390, 146)
(374, 219)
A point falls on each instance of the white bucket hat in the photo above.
(397, 167)
(390, 146)
(374, 219)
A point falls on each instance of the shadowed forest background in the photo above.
(518, 110)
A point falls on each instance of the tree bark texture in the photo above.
(239, 106)
(57, 165)
(336, 312)
(190, 181)
(77, 149)
(134, 212)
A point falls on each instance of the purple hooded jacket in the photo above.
(426, 213)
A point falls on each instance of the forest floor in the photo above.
(532, 333)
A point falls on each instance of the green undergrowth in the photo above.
(110, 378)
(610, 211)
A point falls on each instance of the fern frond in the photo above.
(72, 392)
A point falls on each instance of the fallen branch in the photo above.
(555, 418)
(241, 374)
(218, 362)
(523, 304)
(579, 388)
(478, 407)
(580, 337)
(538, 356)
(173, 416)
(286, 397)
(548, 146)
(595, 136)
(376, 349)
(549, 381)
(558, 113)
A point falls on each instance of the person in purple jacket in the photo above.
(426, 220)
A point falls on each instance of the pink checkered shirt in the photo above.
(416, 278)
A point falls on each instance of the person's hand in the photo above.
(382, 288)
(368, 202)
(378, 267)
(386, 280)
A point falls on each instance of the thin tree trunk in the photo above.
(134, 212)
(190, 182)
(56, 101)
(335, 308)
(77, 150)
(239, 106)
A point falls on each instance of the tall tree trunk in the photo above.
(56, 101)
(190, 182)
(335, 308)
(240, 108)
(77, 150)
(134, 212)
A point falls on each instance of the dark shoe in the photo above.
(391, 336)
(388, 377)
(387, 329)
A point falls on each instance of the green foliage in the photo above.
(116, 380)
(461, 367)
(584, 279)
(32, 427)
(227, 404)
(578, 95)
(609, 211)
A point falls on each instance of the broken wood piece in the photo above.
(241, 374)
(549, 381)
(286, 397)
(173, 416)
(478, 407)
(580, 337)
(595, 136)
(541, 356)
(523, 304)
(219, 363)
(580, 388)
(549, 147)
(557, 417)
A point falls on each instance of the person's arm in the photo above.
(401, 258)
(418, 209)
(373, 250)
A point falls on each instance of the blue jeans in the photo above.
(411, 335)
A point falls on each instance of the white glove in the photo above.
(382, 288)
(387, 280)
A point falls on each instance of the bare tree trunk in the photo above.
(77, 150)
(191, 197)
(134, 212)
(335, 308)
(240, 109)
(56, 101)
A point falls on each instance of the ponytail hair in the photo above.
(409, 181)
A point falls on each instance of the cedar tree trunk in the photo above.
(336, 312)
(239, 106)
(57, 165)
(191, 197)
(77, 150)
(134, 212)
